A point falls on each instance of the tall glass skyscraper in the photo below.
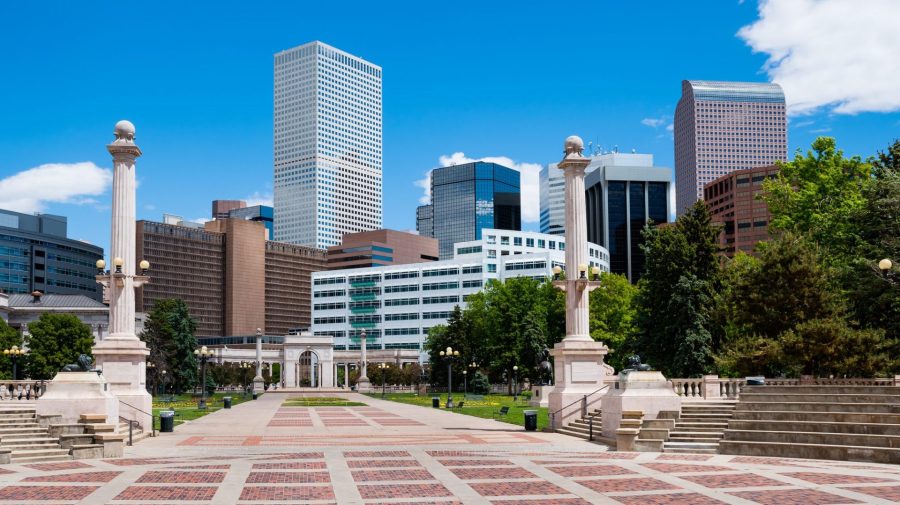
(620, 200)
(327, 145)
(468, 198)
(721, 127)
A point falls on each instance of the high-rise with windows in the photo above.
(327, 145)
(468, 198)
(721, 127)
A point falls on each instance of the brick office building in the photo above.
(381, 247)
(231, 277)
(733, 203)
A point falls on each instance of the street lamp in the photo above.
(557, 271)
(203, 354)
(150, 368)
(516, 380)
(14, 354)
(465, 383)
(244, 366)
(449, 353)
(383, 368)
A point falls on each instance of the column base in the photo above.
(123, 362)
(72, 394)
(648, 392)
(363, 385)
(579, 371)
(259, 385)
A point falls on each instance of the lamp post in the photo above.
(449, 353)
(885, 267)
(163, 373)
(383, 367)
(244, 366)
(151, 368)
(203, 354)
(515, 383)
(465, 383)
(14, 354)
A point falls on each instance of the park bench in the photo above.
(504, 410)
(460, 405)
(476, 398)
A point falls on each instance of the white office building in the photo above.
(553, 186)
(327, 136)
(397, 304)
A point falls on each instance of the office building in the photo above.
(231, 277)
(327, 137)
(380, 248)
(620, 200)
(468, 198)
(36, 255)
(722, 127)
(221, 208)
(259, 213)
(733, 204)
(425, 220)
(397, 304)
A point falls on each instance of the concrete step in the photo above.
(583, 429)
(814, 451)
(21, 433)
(821, 397)
(691, 447)
(821, 438)
(813, 426)
(791, 406)
(813, 415)
(572, 433)
(696, 434)
(31, 456)
(30, 443)
(704, 427)
(813, 389)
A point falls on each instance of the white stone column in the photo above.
(121, 355)
(579, 370)
(259, 384)
(362, 383)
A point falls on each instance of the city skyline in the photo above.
(207, 133)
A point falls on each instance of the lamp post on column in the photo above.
(203, 354)
(578, 359)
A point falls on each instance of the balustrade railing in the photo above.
(713, 386)
(28, 390)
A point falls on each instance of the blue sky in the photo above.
(497, 79)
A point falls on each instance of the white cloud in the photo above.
(834, 54)
(258, 198)
(653, 122)
(529, 182)
(801, 124)
(72, 183)
(670, 127)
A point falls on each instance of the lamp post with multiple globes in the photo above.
(383, 368)
(203, 354)
(449, 353)
(14, 354)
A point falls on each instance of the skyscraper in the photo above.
(327, 145)
(721, 127)
(625, 192)
(470, 197)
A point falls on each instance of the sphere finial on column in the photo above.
(124, 131)
(574, 145)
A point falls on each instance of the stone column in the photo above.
(259, 384)
(346, 375)
(121, 355)
(362, 383)
(579, 370)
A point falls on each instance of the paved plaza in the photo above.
(262, 453)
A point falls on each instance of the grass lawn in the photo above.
(482, 408)
(185, 405)
(320, 401)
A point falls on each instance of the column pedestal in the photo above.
(123, 364)
(578, 370)
(648, 392)
(72, 394)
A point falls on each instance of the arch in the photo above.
(309, 369)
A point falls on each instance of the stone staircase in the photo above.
(28, 441)
(137, 434)
(581, 428)
(700, 427)
(856, 423)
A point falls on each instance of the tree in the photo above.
(817, 195)
(612, 314)
(480, 384)
(8, 337)
(54, 341)
(675, 295)
(169, 333)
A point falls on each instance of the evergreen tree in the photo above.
(54, 341)
(169, 333)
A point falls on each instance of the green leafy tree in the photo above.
(480, 384)
(169, 333)
(8, 337)
(674, 302)
(817, 195)
(612, 313)
(54, 341)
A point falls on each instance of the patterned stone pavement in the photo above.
(262, 453)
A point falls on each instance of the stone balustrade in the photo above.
(22, 390)
(713, 386)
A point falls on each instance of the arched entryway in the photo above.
(309, 370)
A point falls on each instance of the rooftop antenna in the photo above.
(616, 148)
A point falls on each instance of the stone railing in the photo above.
(22, 390)
(713, 386)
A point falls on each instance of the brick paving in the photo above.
(260, 453)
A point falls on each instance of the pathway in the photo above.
(262, 453)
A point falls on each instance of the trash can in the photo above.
(166, 421)
(436, 402)
(530, 420)
(227, 402)
(756, 381)
(255, 395)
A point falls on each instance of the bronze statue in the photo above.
(85, 364)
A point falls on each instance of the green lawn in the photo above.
(484, 408)
(185, 405)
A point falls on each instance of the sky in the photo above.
(461, 80)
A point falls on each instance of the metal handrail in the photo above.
(130, 421)
(582, 400)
